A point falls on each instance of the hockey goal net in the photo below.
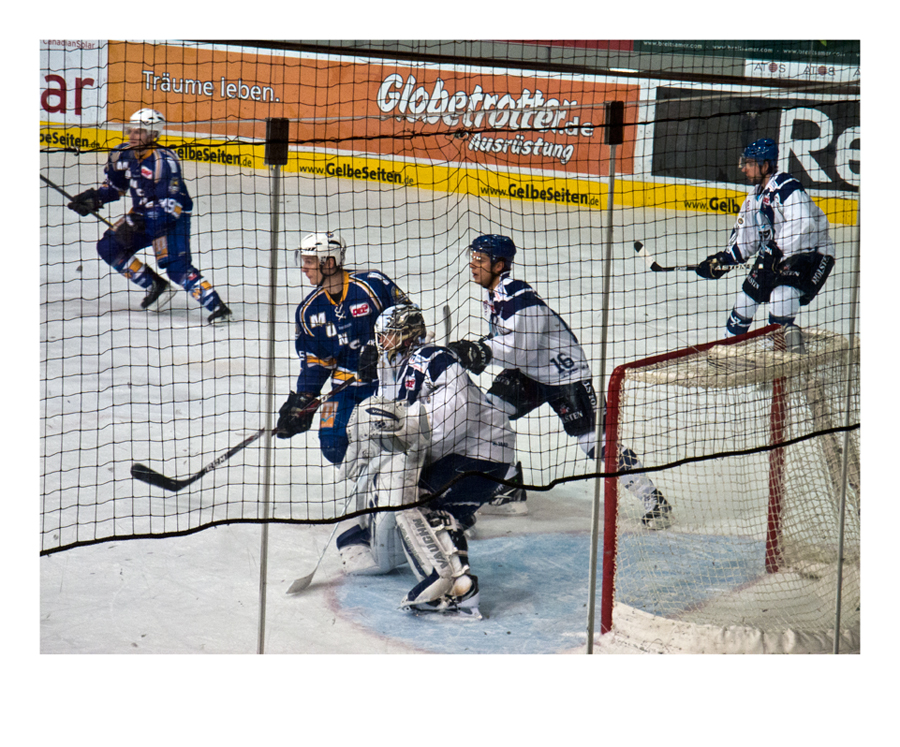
(759, 470)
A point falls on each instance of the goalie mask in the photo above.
(322, 246)
(398, 330)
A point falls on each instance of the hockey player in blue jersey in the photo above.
(787, 233)
(333, 324)
(543, 363)
(160, 217)
(428, 425)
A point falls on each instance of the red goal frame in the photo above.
(611, 505)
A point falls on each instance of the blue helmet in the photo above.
(762, 151)
(496, 247)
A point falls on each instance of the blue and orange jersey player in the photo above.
(160, 217)
(333, 325)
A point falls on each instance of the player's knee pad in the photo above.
(113, 253)
(436, 548)
(575, 405)
(784, 305)
(521, 393)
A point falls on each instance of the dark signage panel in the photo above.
(700, 135)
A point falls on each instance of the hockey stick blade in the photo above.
(652, 263)
(143, 473)
(656, 267)
(303, 582)
(300, 584)
(150, 476)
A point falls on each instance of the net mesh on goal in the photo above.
(765, 517)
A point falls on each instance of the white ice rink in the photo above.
(120, 385)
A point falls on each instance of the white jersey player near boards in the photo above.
(542, 363)
(788, 233)
(428, 424)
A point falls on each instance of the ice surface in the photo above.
(120, 385)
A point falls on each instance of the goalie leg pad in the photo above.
(356, 557)
(437, 551)
(385, 544)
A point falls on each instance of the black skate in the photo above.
(158, 295)
(508, 501)
(221, 315)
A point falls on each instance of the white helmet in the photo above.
(148, 119)
(322, 246)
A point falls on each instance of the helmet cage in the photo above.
(399, 329)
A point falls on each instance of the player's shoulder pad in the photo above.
(515, 295)
(370, 276)
(783, 185)
(309, 300)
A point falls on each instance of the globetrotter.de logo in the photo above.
(477, 108)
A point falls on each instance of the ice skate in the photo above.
(221, 315)
(158, 295)
(461, 601)
(660, 515)
(508, 501)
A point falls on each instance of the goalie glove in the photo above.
(473, 356)
(392, 425)
(295, 415)
(715, 266)
(86, 202)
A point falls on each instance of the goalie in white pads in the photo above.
(542, 363)
(788, 233)
(429, 424)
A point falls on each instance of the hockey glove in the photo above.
(715, 266)
(86, 203)
(367, 370)
(474, 356)
(295, 415)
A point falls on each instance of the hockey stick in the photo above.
(304, 581)
(150, 476)
(71, 199)
(653, 265)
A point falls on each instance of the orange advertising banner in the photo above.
(511, 119)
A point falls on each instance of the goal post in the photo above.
(743, 443)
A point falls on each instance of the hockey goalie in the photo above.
(428, 424)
